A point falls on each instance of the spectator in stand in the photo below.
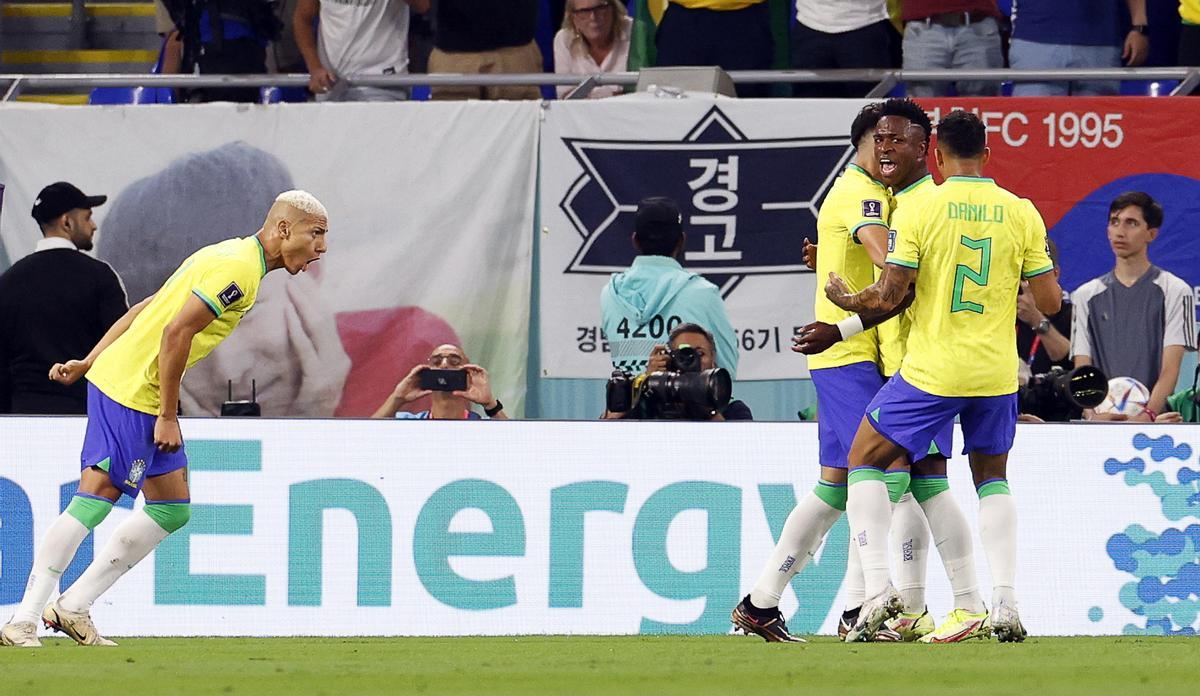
(958, 34)
(55, 303)
(232, 43)
(1189, 33)
(485, 37)
(446, 405)
(1067, 34)
(732, 34)
(354, 38)
(833, 34)
(594, 38)
(1137, 320)
(1044, 342)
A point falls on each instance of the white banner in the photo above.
(748, 177)
(431, 212)
(305, 527)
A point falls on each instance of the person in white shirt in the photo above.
(842, 34)
(354, 38)
(594, 38)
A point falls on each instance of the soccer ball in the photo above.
(1126, 396)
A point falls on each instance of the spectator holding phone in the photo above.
(454, 385)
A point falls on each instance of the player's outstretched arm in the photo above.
(819, 336)
(884, 296)
(173, 352)
(70, 371)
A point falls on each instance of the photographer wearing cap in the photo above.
(641, 306)
(683, 381)
(453, 384)
(55, 302)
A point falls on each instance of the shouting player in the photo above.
(966, 248)
(133, 442)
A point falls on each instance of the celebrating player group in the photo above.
(915, 327)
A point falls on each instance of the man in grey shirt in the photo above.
(1136, 320)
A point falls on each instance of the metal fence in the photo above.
(1187, 78)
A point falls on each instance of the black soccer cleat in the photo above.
(768, 625)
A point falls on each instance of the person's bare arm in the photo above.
(819, 336)
(173, 351)
(320, 79)
(874, 240)
(1168, 377)
(1047, 293)
(70, 371)
(1137, 45)
(884, 296)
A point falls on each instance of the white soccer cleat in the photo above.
(874, 612)
(78, 627)
(21, 634)
(1006, 624)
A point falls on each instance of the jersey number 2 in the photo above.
(963, 273)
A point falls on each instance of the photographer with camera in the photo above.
(1045, 351)
(454, 385)
(682, 381)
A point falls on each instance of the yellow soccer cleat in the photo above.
(960, 625)
(912, 627)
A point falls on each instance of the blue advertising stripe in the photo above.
(224, 455)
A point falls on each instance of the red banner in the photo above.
(1072, 156)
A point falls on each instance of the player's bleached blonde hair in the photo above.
(303, 201)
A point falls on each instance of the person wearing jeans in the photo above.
(958, 34)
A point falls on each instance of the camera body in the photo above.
(1060, 395)
(682, 392)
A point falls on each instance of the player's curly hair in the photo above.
(909, 109)
(864, 122)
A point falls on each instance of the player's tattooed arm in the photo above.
(881, 298)
(819, 336)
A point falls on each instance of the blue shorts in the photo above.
(121, 440)
(843, 394)
(911, 418)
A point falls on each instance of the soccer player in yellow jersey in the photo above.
(853, 215)
(924, 504)
(967, 249)
(133, 442)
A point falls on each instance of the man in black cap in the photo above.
(641, 306)
(55, 302)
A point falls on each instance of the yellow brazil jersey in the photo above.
(894, 332)
(972, 243)
(717, 4)
(854, 201)
(225, 276)
(1189, 11)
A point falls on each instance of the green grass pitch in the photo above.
(581, 665)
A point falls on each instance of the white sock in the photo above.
(952, 537)
(910, 550)
(870, 513)
(998, 530)
(130, 542)
(58, 548)
(802, 533)
(852, 584)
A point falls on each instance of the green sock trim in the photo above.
(864, 473)
(833, 495)
(89, 511)
(897, 484)
(993, 488)
(925, 488)
(169, 516)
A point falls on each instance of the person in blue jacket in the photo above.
(641, 306)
